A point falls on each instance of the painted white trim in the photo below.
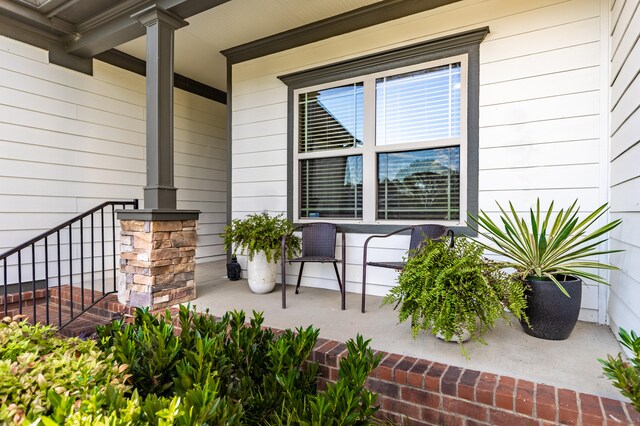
(605, 144)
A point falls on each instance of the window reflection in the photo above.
(419, 184)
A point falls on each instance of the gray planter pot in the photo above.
(552, 315)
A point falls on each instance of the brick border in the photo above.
(421, 392)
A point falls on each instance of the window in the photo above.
(385, 147)
(387, 139)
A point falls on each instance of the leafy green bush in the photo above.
(258, 377)
(215, 372)
(200, 405)
(345, 402)
(449, 290)
(35, 363)
(626, 375)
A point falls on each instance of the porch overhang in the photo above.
(74, 31)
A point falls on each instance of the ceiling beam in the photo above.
(131, 63)
(115, 26)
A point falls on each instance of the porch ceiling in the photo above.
(234, 23)
(78, 29)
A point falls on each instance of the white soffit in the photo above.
(234, 23)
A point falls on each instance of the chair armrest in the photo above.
(283, 243)
(366, 242)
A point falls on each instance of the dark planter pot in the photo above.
(234, 270)
(552, 315)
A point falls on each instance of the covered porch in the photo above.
(570, 364)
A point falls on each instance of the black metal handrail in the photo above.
(46, 280)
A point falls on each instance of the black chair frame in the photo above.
(322, 252)
(419, 233)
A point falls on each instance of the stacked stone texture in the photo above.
(157, 262)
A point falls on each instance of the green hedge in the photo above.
(215, 372)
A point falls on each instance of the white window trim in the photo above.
(369, 149)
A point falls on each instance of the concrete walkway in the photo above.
(571, 363)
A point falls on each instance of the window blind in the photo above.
(419, 185)
(330, 118)
(418, 106)
(331, 187)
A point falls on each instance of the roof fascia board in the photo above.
(363, 17)
(31, 17)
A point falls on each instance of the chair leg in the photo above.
(335, 268)
(284, 284)
(342, 284)
(364, 284)
(299, 276)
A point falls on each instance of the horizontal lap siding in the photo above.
(69, 141)
(540, 124)
(624, 301)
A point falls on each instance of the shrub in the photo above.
(35, 363)
(215, 372)
(258, 377)
(626, 375)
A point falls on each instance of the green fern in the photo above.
(448, 290)
(260, 232)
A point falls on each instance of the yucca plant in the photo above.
(544, 248)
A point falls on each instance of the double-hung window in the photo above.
(386, 147)
(387, 139)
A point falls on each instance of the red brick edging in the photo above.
(420, 392)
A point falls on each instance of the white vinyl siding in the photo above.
(540, 116)
(624, 300)
(70, 141)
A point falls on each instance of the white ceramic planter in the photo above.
(261, 274)
(461, 338)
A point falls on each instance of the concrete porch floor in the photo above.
(570, 364)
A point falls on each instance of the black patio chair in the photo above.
(318, 245)
(419, 233)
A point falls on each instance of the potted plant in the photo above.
(550, 256)
(454, 292)
(259, 236)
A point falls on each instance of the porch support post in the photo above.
(158, 243)
(161, 24)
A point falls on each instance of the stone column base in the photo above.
(157, 262)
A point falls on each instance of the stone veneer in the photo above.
(157, 262)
